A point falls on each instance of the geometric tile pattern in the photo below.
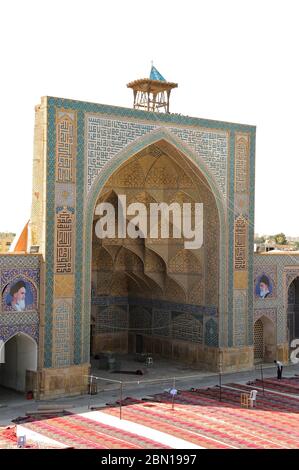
(241, 242)
(63, 333)
(81, 316)
(280, 268)
(7, 331)
(50, 234)
(211, 333)
(243, 220)
(64, 285)
(107, 137)
(240, 225)
(14, 268)
(208, 139)
(20, 261)
(161, 322)
(241, 163)
(8, 275)
(197, 310)
(186, 327)
(212, 147)
(227, 325)
(65, 147)
(267, 312)
(19, 322)
(64, 240)
(241, 204)
(240, 314)
(251, 197)
(64, 194)
(19, 318)
(111, 319)
(140, 320)
(146, 318)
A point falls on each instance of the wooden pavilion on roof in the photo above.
(151, 95)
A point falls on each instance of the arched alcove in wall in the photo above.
(264, 340)
(149, 271)
(293, 310)
(20, 355)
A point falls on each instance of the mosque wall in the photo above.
(78, 148)
(83, 145)
(21, 312)
(20, 270)
(277, 271)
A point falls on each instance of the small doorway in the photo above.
(20, 355)
(139, 344)
(293, 310)
(264, 340)
(258, 341)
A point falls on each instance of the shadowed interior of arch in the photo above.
(152, 294)
(264, 340)
(293, 310)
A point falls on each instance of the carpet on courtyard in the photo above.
(204, 417)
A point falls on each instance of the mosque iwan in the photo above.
(68, 294)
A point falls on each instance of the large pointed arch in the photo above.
(166, 139)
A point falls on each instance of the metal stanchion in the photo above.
(90, 391)
(220, 377)
(173, 394)
(91, 377)
(262, 379)
(121, 399)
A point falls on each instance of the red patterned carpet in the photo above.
(9, 440)
(80, 432)
(289, 385)
(198, 417)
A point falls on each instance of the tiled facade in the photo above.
(281, 269)
(85, 145)
(107, 137)
(12, 269)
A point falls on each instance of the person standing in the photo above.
(279, 369)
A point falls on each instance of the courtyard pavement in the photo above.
(157, 378)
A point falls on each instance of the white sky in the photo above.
(234, 60)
